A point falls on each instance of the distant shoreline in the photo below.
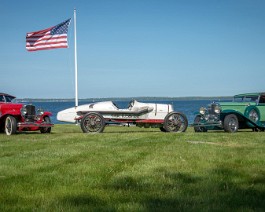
(216, 98)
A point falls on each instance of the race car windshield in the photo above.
(115, 105)
(120, 104)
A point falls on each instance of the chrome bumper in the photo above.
(33, 124)
(208, 124)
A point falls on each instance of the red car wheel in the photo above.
(10, 125)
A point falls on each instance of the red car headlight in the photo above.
(40, 112)
(23, 110)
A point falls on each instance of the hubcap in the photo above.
(232, 124)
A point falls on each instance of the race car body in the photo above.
(93, 117)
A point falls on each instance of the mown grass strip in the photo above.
(132, 169)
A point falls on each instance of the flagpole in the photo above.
(76, 82)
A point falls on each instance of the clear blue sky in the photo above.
(130, 48)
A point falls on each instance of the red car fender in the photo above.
(9, 113)
(47, 114)
(10, 109)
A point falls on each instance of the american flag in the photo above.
(51, 38)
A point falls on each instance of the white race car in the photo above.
(94, 117)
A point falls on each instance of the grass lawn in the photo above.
(132, 169)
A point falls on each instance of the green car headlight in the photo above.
(202, 110)
(217, 109)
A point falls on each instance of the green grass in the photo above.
(132, 169)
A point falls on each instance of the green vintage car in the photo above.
(246, 111)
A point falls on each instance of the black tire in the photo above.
(46, 129)
(93, 123)
(175, 122)
(10, 125)
(162, 129)
(198, 128)
(231, 123)
(2, 128)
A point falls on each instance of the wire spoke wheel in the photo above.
(175, 122)
(10, 125)
(92, 123)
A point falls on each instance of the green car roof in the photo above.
(250, 94)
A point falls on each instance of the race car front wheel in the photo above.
(93, 123)
(175, 122)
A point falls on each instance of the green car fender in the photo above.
(224, 113)
(251, 116)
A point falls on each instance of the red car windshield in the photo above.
(5, 98)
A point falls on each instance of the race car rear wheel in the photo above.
(93, 123)
(162, 129)
(10, 125)
(175, 122)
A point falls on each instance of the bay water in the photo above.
(188, 107)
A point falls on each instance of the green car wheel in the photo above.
(231, 123)
(198, 128)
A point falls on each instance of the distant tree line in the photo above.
(190, 98)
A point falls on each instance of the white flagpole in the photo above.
(76, 82)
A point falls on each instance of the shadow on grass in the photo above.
(127, 183)
(221, 189)
(87, 202)
(130, 132)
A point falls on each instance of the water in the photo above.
(189, 108)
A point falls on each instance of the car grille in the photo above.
(211, 114)
(31, 112)
(211, 109)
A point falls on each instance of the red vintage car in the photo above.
(16, 117)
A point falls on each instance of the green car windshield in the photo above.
(246, 98)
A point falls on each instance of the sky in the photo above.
(135, 48)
